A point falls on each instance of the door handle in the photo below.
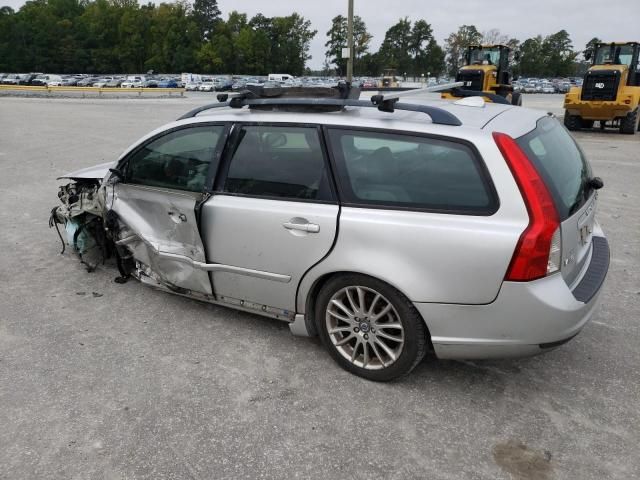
(302, 227)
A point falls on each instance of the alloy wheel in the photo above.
(364, 327)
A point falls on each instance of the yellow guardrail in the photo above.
(99, 91)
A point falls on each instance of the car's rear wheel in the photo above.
(369, 328)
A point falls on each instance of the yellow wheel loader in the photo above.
(486, 73)
(389, 79)
(610, 92)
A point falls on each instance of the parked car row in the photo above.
(225, 84)
(191, 82)
(83, 80)
(543, 85)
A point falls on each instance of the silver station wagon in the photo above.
(389, 229)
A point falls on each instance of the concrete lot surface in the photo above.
(106, 381)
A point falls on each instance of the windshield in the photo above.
(484, 56)
(614, 55)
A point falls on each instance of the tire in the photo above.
(516, 99)
(572, 122)
(629, 124)
(587, 123)
(360, 343)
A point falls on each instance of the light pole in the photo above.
(350, 42)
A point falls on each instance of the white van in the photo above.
(53, 80)
(133, 81)
(280, 77)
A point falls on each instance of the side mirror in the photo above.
(596, 183)
(588, 54)
(117, 173)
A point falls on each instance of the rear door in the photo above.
(156, 205)
(272, 217)
(567, 174)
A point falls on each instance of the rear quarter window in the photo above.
(411, 172)
(560, 162)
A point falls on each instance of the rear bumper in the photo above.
(525, 319)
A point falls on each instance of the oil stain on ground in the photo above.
(522, 462)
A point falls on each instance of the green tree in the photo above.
(559, 55)
(591, 45)
(456, 45)
(7, 38)
(582, 65)
(205, 14)
(395, 51)
(434, 60)
(531, 57)
(337, 40)
(174, 39)
(427, 55)
(370, 65)
(290, 41)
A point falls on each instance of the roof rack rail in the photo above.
(438, 115)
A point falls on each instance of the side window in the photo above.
(178, 160)
(406, 171)
(279, 162)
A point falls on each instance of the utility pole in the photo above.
(350, 43)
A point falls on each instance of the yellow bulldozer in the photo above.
(610, 91)
(486, 73)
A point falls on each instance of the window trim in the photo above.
(218, 148)
(485, 176)
(233, 144)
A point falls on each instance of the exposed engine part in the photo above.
(81, 215)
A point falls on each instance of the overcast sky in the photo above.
(610, 20)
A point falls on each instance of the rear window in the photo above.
(411, 172)
(561, 163)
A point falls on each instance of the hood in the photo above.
(97, 171)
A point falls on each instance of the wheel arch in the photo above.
(307, 297)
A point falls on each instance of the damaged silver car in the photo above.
(389, 229)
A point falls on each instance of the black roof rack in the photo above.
(438, 115)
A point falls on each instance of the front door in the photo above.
(155, 204)
(273, 216)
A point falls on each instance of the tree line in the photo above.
(109, 36)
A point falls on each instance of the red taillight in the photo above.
(531, 258)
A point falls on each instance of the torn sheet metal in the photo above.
(154, 222)
(139, 225)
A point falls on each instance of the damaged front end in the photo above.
(151, 234)
(83, 223)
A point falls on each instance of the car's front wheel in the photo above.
(369, 327)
